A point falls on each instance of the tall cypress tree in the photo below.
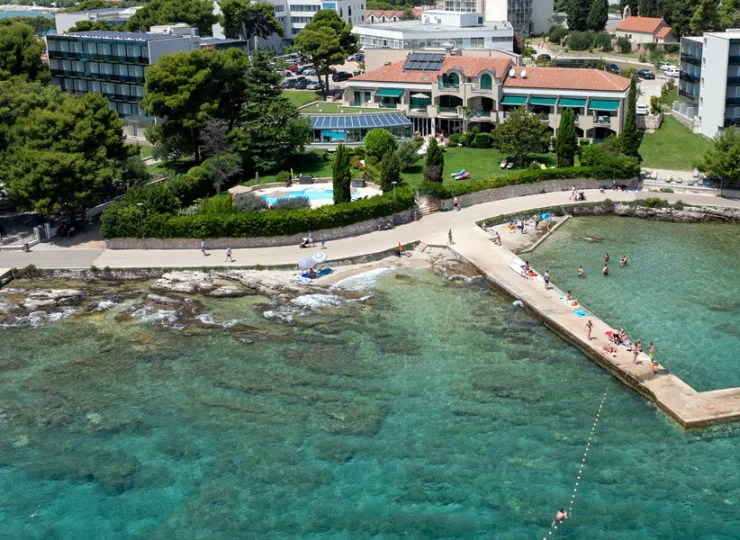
(435, 163)
(390, 171)
(577, 11)
(567, 141)
(630, 137)
(342, 176)
(598, 15)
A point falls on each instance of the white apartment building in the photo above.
(709, 84)
(293, 15)
(440, 30)
(527, 17)
(114, 16)
(465, 6)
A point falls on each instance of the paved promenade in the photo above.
(431, 229)
(690, 408)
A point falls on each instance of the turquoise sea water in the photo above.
(7, 14)
(431, 409)
(680, 288)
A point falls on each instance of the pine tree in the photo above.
(706, 17)
(650, 8)
(390, 171)
(342, 176)
(434, 167)
(630, 139)
(567, 140)
(598, 15)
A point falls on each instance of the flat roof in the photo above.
(109, 34)
(219, 41)
(419, 26)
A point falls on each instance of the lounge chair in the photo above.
(510, 165)
(458, 173)
(679, 180)
(668, 179)
(503, 163)
(463, 176)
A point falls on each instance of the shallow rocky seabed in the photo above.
(414, 403)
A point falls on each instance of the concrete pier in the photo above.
(691, 409)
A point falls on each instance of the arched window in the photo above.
(486, 81)
(453, 79)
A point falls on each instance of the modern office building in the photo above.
(114, 16)
(293, 15)
(449, 94)
(114, 64)
(464, 6)
(526, 16)
(438, 30)
(709, 84)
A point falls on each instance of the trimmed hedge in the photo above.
(121, 220)
(525, 177)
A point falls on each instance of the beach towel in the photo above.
(580, 312)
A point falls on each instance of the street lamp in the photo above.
(394, 190)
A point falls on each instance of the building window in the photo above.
(486, 82)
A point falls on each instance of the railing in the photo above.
(733, 80)
(734, 59)
(602, 120)
(385, 105)
(446, 87)
(476, 88)
(689, 95)
(447, 110)
(685, 76)
(73, 55)
(732, 101)
(691, 59)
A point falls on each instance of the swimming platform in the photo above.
(691, 409)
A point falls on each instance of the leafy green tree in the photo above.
(435, 162)
(87, 26)
(196, 13)
(269, 130)
(378, 142)
(326, 41)
(87, 5)
(245, 20)
(39, 24)
(729, 14)
(577, 12)
(187, 88)
(342, 175)
(607, 157)
(598, 15)
(567, 140)
(522, 134)
(18, 97)
(706, 17)
(624, 45)
(678, 14)
(390, 171)
(650, 8)
(408, 14)
(630, 138)
(224, 161)
(722, 158)
(64, 158)
(406, 154)
(20, 54)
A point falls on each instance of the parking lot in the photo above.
(349, 67)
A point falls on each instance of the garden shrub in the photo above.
(603, 41)
(407, 154)
(557, 34)
(359, 152)
(282, 177)
(624, 45)
(466, 139)
(580, 41)
(194, 184)
(671, 48)
(529, 51)
(649, 46)
(220, 204)
(455, 138)
(356, 162)
(378, 142)
(118, 220)
(372, 160)
(249, 202)
(291, 203)
(482, 140)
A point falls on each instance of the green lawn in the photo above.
(323, 107)
(310, 162)
(300, 97)
(481, 163)
(673, 146)
(145, 151)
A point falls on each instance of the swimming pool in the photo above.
(313, 195)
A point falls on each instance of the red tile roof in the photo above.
(663, 32)
(645, 25)
(567, 79)
(471, 66)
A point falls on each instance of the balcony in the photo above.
(688, 95)
(448, 87)
(387, 105)
(691, 59)
(734, 59)
(733, 80)
(602, 120)
(447, 111)
(480, 90)
(481, 116)
(685, 76)
(732, 101)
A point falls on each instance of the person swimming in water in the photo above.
(623, 261)
(605, 270)
(561, 516)
(580, 271)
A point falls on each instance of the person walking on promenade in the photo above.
(323, 243)
(589, 327)
(636, 350)
(228, 254)
(605, 270)
(580, 272)
(547, 280)
(203, 247)
(449, 238)
(572, 194)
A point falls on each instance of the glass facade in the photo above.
(110, 67)
(435, 43)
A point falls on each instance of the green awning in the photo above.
(575, 103)
(514, 100)
(547, 101)
(390, 92)
(604, 105)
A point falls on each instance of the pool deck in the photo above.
(691, 409)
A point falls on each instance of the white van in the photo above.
(672, 73)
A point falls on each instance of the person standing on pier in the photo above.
(589, 327)
(651, 353)
(547, 280)
(636, 350)
(449, 238)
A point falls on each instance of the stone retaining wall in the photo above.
(521, 190)
(355, 229)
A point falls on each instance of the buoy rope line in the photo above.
(554, 526)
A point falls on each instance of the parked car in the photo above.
(292, 68)
(672, 73)
(315, 85)
(664, 66)
(340, 76)
(642, 110)
(358, 57)
(613, 68)
(544, 56)
(645, 74)
(286, 73)
(302, 84)
(309, 71)
(303, 69)
(288, 83)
